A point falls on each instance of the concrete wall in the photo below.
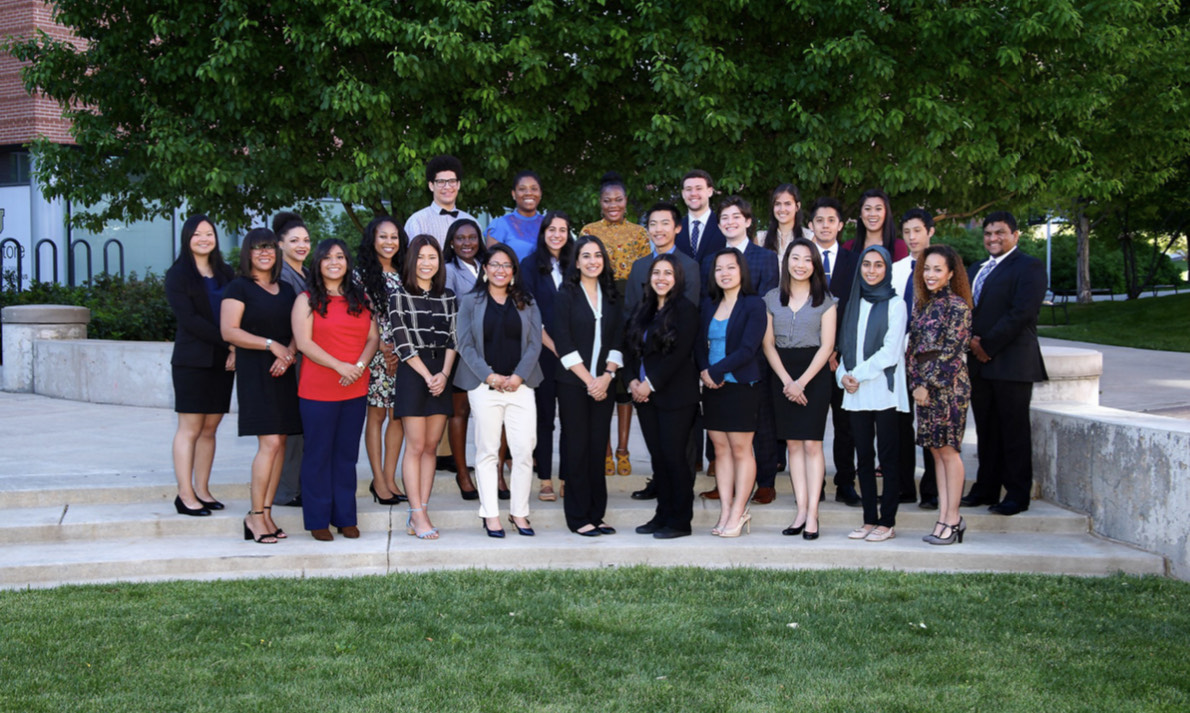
(105, 371)
(1129, 471)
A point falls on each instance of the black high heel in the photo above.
(211, 505)
(791, 530)
(279, 534)
(471, 494)
(526, 531)
(250, 535)
(498, 534)
(194, 512)
(394, 500)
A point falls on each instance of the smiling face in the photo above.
(263, 258)
(872, 214)
(295, 245)
(662, 230)
(466, 243)
(556, 235)
(695, 194)
(873, 268)
(527, 195)
(590, 261)
(826, 226)
(727, 272)
(613, 204)
(733, 224)
(445, 188)
(662, 278)
(203, 242)
(998, 238)
(499, 270)
(785, 208)
(801, 263)
(387, 242)
(334, 266)
(917, 237)
(427, 266)
(936, 273)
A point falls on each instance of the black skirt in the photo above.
(731, 407)
(202, 389)
(795, 422)
(412, 396)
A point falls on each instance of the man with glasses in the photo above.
(444, 174)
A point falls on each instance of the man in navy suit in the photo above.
(700, 234)
(1004, 363)
(826, 215)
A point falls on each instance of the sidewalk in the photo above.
(1142, 380)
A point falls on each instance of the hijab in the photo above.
(878, 296)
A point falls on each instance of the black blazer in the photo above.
(673, 374)
(574, 330)
(710, 240)
(842, 275)
(745, 332)
(198, 341)
(1005, 319)
(634, 291)
(542, 288)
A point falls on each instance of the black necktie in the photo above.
(451, 213)
(694, 231)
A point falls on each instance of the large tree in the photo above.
(239, 107)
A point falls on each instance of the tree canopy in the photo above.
(238, 107)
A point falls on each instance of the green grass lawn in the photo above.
(1150, 323)
(636, 639)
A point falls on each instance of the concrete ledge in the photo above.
(1073, 375)
(46, 314)
(105, 371)
(1129, 471)
(24, 324)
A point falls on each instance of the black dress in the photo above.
(202, 383)
(268, 404)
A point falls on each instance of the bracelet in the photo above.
(359, 364)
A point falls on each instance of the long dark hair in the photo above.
(371, 272)
(607, 279)
(772, 241)
(193, 280)
(516, 290)
(818, 286)
(357, 299)
(888, 232)
(448, 245)
(663, 322)
(258, 237)
(409, 273)
(565, 256)
(958, 280)
(714, 291)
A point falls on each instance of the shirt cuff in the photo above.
(651, 387)
(571, 359)
(615, 357)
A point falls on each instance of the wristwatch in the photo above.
(360, 364)
(268, 344)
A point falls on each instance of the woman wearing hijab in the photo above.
(872, 375)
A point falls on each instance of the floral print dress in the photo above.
(938, 337)
(380, 382)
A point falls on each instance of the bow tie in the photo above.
(451, 213)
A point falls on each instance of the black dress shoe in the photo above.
(928, 504)
(526, 531)
(498, 533)
(296, 502)
(907, 498)
(792, 531)
(847, 496)
(446, 463)
(670, 533)
(807, 535)
(1007, 507)
(593, 532)
(970, 501)
(505, 494)
(606, 529)
(649, 492)
(211, 504)
(193, 512)
(648, 528)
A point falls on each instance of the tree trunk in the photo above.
(1082, 273)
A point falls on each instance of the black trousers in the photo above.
(546, 395)
(1001, 410)
(765, 447)
(877, 431)
(667, 434)
(843, 446)
(908, 463)
(586, 426)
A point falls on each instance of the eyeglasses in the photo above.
(445, 182)
(264, 248)
(500, 266)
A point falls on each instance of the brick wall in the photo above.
(24, 117)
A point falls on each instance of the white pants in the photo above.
(514, 413)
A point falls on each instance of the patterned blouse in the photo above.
(419, 322)
(625, 242)
(940, 332)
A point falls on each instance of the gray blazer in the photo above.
(473, 368)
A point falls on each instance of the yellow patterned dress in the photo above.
(625, 242)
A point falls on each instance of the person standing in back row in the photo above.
(444, 178)
(700, 237)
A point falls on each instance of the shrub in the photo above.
(121, 307)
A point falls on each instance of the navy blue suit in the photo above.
(544, 294)
(843, 269)
(710, 238)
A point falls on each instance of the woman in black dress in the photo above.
(798, 345)
(256, 320)
(588, 329)
(663, 381)
(203, 366)
(421, 314)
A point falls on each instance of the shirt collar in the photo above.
(672, 249)
(701, 217)
(1001, 258)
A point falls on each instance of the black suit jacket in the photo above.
(639, 276)
(541, 287)
(1005, 319)
(710, 239)
(198, 341)
(672, 373)
(843, 272)
(574, 330)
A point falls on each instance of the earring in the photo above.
(484, 276)
(511, 281)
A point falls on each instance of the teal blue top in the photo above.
(717, 341)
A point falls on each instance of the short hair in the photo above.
(612, 179)
(745, 209)
(521, 175)
(826, 202)
(448, 250)
(714, 291)
(409, 275)
(260, 237)
(918, 214)
(438, 164)
(663, 207)
(286, 221)
(1001, 216)
(697, 173)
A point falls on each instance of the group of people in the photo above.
(691, 321)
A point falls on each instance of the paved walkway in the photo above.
(1142, 380)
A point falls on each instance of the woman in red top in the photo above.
(334, 329)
